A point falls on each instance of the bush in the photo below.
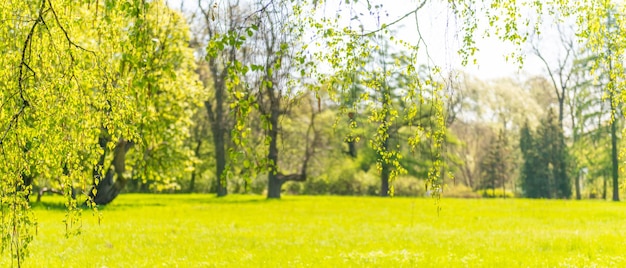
(346, 183)
(292, 187)
(369, 182)
(459, 191)
(343, 186)
(489, 193)
(408, 186)
(315, 186)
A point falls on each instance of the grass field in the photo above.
(249, 231)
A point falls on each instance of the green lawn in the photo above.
(249, 231)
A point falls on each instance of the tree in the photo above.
(487, 107)
(563, 74)
(220, 22)
(262, 86)
(85, 85)
(530, 174)
(163, 88)
(545, 173)
(496, 164)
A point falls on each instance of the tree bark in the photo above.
(385, 171)
(27, 181)
(217, 120)
(274, 183)
(578, 197)
(108, 187)
(614, 160)
(216, 116)
(604, 185)
(192, 181)
(220, 161)
(384, 179)
(352, 147)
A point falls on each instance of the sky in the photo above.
(438, 28)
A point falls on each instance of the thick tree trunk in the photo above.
(274, 183)
(220, 161)
(352, 147)
(216, 117)
(192, 182)
(27, 181)
(108, 187)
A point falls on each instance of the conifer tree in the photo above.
(496, 164)
(546, 160)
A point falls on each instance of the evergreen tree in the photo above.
(546, 161)
(529, 175)
(553, 151)
(496, 164)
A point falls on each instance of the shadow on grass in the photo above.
(53, 205)
(129, 201)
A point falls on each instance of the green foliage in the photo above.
(458, 191)
(268, 83)
(84, 71)
(495, 193)
(496, 165)
(546, 171)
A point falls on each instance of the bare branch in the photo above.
(397, 20)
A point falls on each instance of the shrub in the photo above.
(293, 188)
(459, 191)
(489, 193)
(408, 186)
(315, 186)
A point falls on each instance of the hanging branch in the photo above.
(23, 68)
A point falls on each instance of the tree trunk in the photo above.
(503, 188)
(216, 116)
(385, 171)
(274, 184)
(615, 160)
(218, 122)
(578, 197)
(384, 179)
(192, 181)
(604, 185)
(27, 181)
(352, 147)
(561, 107)
(220, 161)
(107, 188)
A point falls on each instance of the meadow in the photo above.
(331, 231)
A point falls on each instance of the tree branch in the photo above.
(24, 65)
(420, 6)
